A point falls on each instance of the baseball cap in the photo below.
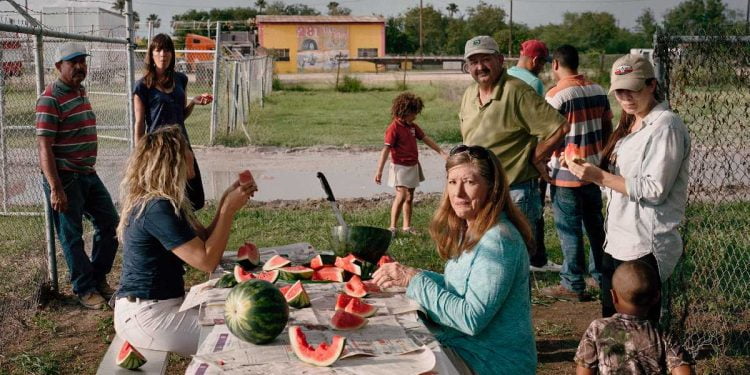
(69, 51)
(535, 48)
(630, 72)
(481, 44)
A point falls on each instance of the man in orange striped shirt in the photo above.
(576, 204)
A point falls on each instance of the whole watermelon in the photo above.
(256, 311)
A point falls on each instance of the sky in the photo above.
(529, 12)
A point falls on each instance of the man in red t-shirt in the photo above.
(401, 142)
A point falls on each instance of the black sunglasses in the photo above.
(477, 152)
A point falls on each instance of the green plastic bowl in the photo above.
(366, 243)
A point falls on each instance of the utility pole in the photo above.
(747, 19)
(510, 34)
(421, 33)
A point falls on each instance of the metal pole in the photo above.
(130, 80)
(659, 70)
(51, 252)
(421, 34)
(3, 171)
(510, 31)
(214, 104)
(39, 63)
(150, 32)
(747, 19)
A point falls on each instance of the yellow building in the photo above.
(312, 43)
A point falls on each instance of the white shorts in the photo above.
(157, 325)
(408, 176)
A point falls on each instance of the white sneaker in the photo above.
(549, 267)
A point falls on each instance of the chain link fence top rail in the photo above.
(707, 79)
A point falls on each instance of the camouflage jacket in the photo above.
(626, 344)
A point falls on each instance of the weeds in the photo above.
(44, 364)
(351, 84)
(44, 322)
(105, 327)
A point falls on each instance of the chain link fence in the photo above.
(707, 79)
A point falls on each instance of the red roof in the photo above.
(319, 19)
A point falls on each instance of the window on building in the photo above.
(367, 52)
(196, 41)
(280, 54)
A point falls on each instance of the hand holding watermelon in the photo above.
(393, 274)
(573, 154)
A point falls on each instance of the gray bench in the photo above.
(156, 360)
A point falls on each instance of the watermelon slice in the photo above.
(277, 261)
(129, 357)
(322, 260)
(270, 276)
(358, 307)
(350, 264)
(329, 273)
(246, 177)
(344, 321)
(284, 289)
(295, 273)
(371, 287)
(226, 281)
(573, 154)
(385, 259)
(355, 288)
(241, 275)
(248, 256)
(296, 296)
(342, 300)
(323, 355)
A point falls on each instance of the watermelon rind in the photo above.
(129, 357)
(241, 275)
(248, 256)
(355, 288)
(344, 321)
(296, 296)
(324, 355)
(256, 312)
(226, 281)
(358, 307)
(329, 273)
(349, 264)
(277, 261)
(295, 273)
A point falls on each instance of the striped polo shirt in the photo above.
(585, 105)
(65, 114)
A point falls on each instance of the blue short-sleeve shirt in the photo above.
(150, 269)
(163, 108)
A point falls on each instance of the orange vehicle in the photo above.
(195, 42)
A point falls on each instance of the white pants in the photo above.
(157, 325)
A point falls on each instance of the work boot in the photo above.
(92, 300)
(560, 292)
(105, 290)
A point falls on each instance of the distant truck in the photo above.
(12, 57)
(195, 42)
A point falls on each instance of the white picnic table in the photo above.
(298, 253)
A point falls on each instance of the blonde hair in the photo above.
(451, 234)
(157, 168)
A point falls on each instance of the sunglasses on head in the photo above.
(477, 152)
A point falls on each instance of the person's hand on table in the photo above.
(393, 274)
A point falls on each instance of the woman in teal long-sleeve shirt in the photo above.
(481, 303)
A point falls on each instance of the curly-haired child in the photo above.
(405, 173)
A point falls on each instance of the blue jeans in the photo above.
(525, 195)
(87, 197)
(576, 210)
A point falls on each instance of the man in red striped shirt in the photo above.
(576, 204)
(67, 143)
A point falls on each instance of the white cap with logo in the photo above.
(69, 51)
(481, 44)
(630, 72)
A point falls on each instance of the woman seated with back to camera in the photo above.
(159, 234)
(481, 303)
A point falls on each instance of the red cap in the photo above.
(535, 48)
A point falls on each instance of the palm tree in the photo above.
(261, 5)
(119, 6)
(156, 21)
(451, 8)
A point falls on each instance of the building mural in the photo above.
(319, 45)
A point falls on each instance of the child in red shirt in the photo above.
(401, 142)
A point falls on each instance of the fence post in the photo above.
(214, 104)
(130, 80)
(338, 70)
(659, 69)
(4, 154)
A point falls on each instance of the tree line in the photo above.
(446, 30)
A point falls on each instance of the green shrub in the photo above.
(351, 84)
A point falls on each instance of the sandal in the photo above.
(393, 232)
(410, 230)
